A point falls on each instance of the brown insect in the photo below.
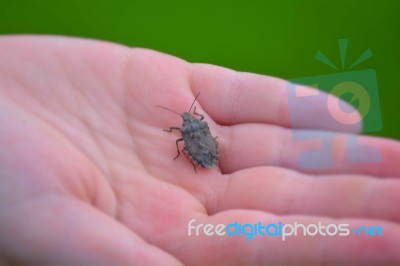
(200, 146)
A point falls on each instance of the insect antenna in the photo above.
(193, 102)
(169, 110)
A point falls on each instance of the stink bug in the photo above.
(200, 148)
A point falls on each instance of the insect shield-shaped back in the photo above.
(200, 146)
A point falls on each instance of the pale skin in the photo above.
(87, 175)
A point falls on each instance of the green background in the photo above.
(278, 38)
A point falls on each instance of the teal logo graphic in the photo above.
(359, 88)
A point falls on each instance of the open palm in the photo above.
(87, 175)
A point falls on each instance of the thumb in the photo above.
(64, 231)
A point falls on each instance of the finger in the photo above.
(67, 232)
(249, 145)
(350, 248)
(283, 191)
(231, 98)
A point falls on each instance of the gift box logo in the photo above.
(357, 87)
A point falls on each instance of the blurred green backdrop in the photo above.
(278, 38)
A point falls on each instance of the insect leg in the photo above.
(184, 150)
(171, 128)
(177, 148)
(201, 116)
(194, 166)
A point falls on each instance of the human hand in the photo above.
(87, 176)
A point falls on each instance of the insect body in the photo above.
(200, 146)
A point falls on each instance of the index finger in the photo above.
(232, 97)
